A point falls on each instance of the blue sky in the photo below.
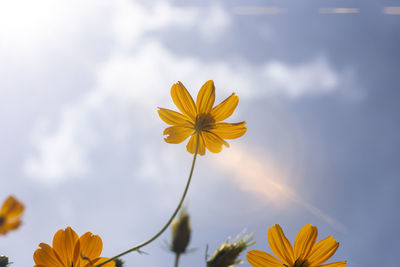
(82, 143)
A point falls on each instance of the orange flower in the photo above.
(71, 251)
(10, 215)
(201, 120)
(306, 252)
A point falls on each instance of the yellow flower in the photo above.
(201, 119)
(69, 250)
(306, 252)
(10, 215)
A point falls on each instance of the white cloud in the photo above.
(34, 26)
(131, 21)
(62, 150)
(153, 68)
(316, 76)
(140, 80)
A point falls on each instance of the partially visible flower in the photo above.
(69, 250)
(10, 215)
(180, 233)
(306, 252)
(201, 120)
(226, 255)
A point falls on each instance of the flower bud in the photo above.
(118, 263)
(180, 233)
(226, 255)
(4, 261)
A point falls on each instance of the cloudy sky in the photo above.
(82, 145)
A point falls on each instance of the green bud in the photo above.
(180, 233)
(226, 255)
(4, 261)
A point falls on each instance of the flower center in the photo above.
(203, 122)
(301, 263)
(2, 220)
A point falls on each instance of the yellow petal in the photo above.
(225, 109)
(64, 244)
(12, 225)
(11, 208)
(172, 117)
(205, 98)
(229, 130)
(183, 100)
(177, 134)
(91, 246)
(3, 230)
(262, 259)
(191, 146)
(322, 251)
(46, 256)
(77, 258)
(335, 264)
(213, 142)
(280, 245)
(202, 146)
(305, 239)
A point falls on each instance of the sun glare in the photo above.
(256, 176)
(25, 16)
(266, 179)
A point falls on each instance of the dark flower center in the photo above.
(301, 263)
(204, 122)
(2, 220)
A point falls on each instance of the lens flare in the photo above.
(262, 177)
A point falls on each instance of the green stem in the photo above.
(169, 221)
(177, 259)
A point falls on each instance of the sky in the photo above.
(82, 144)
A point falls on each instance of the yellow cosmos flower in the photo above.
(306, 252)
(69, 250)
(10, 215)
(201, 120)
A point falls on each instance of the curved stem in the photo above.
(170, 219)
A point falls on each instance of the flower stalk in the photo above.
(177, 256)
(136, 248)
